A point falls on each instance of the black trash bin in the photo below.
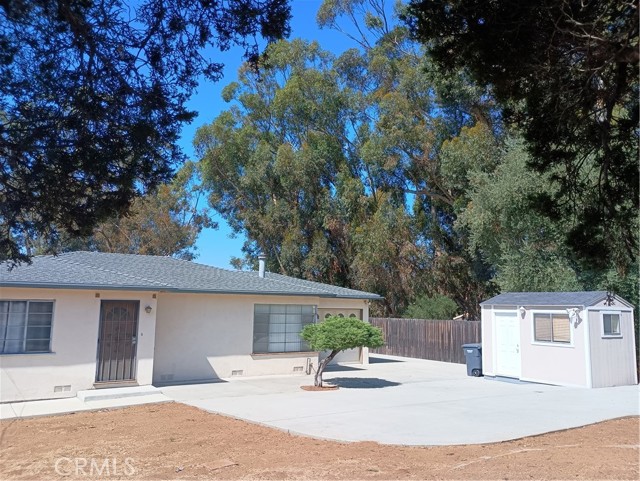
(473, 354)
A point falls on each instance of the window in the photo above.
(25, 326)
(611, 324)
(276, 327)
(552, 327)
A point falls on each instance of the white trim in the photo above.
(564, 345)
(518, 319)
(39, 353)
(633, 339)
(584, 314)
(609, 308)
(552, 343)
(619, 335)
(495, 337)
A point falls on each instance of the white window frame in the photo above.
(611, 336)
(552, 342)
(26, 325)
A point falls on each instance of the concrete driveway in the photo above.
(410, 402)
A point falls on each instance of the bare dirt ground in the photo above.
(174, 441)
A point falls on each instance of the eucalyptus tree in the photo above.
(283, 165)
(332, 165)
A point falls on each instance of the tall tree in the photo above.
(413, 111)
(165, 222)
(92, 98)
(567, 74)
(525, 248)
(332, 166)
(283, 165)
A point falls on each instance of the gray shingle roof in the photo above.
(582, 298)
(95, 270)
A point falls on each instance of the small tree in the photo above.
(337, 334)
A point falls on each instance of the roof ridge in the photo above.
(160, 284)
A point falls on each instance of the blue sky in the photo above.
(217, 247)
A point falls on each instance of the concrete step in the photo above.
(117, 393)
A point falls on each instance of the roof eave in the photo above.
(84, 287)
(44, 285)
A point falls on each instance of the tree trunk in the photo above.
(317, 381)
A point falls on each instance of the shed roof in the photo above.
(579, 298)
(98, 270)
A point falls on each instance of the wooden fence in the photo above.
(426, 339)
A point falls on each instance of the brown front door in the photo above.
(117, 341)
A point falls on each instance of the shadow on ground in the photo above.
(340, 367)
(380, 360)
(361, 382)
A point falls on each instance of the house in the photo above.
(84, 320)
(565, 338)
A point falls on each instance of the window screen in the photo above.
(276, 327)
(25, 326)
(550, 327)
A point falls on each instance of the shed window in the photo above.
(550, 327)
(611, 324)
(25, 326)
(277, 327)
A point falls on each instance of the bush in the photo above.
(434, 307)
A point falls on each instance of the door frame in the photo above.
(134, 357)
(496, 368)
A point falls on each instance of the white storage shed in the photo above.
(565, 338)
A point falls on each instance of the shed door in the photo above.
(507, 329)
(117, 341)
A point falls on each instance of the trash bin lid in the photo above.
(474, 345)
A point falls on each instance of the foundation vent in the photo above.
(65, 388)
(298, 368)
(237, 372)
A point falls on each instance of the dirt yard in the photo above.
(174, 441)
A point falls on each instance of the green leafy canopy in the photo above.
(341, 333)
(93, 95)
(566, 74)
(431, 307)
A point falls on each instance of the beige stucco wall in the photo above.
(613, 359)
(209, 336)
(560, 364)
(74, 338)
(186, 337)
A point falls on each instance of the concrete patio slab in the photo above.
(410, 402)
